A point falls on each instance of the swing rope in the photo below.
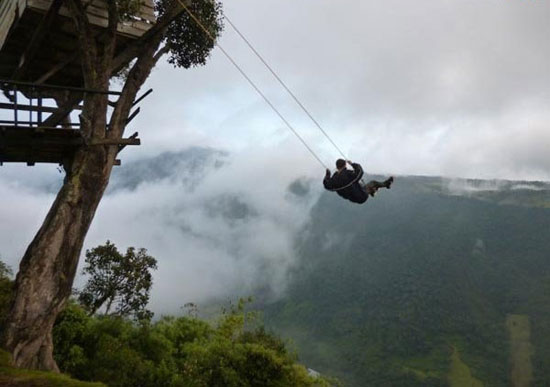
(283, 84)
(264, 97)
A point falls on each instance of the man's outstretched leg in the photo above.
(372, 186)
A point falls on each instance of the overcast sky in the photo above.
(456, 88)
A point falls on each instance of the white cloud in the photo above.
(229, 233)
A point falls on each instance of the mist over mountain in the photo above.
(187, 165)
(220, 224)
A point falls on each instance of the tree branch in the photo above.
(138, 74)
(134, 49)
(110, 40)
(161, 52)
(88, 48)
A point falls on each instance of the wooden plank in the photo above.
(21, 5)
(57, 67)
(150, 17)
(5, 6)
(115, 141)
(147, 11)
(10, 11)
(100, 9)
(63, 111)
(61, 44)
(43, 109)
(147, 8)
(27, 145)
(98, 16)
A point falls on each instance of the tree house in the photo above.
(39, 61)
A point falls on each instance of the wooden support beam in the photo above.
(63, 111)
(116, 141)
(121, 147)
(133, 115)
(58, 67)
(26, 124)
(19, 85)
(38, 36)
(142, 97)
(27, 108)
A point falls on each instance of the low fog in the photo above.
(220, 229)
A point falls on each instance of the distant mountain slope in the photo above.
(183, 165)
(408, 288)
(188, 163)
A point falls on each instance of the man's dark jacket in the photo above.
(346, 184)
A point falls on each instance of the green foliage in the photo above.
(5, 359)
(189, 44)
(70, 328)
(5, 270)
(175, 351)
(6, 293)
(459, 374)
(120, 282)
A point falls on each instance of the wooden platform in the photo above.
(49, 145)
(98, 16)
(30, 145)
(33, 145)
(40, 60)
(57, 47)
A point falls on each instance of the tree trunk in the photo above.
(48, 268)
(45, 278)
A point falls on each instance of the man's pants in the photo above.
(373, 185)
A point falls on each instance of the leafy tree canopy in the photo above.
(5, 270)
(175, 351)
(6, 292)
(189, 44)
(186, 40)
(119, 282)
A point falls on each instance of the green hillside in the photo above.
(414, 288)
(14, 377)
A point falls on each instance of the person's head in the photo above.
(340, 164)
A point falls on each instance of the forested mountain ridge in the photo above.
(416, 286)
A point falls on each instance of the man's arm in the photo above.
(357, 169)
(327, 182)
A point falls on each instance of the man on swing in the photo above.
(348, 184)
